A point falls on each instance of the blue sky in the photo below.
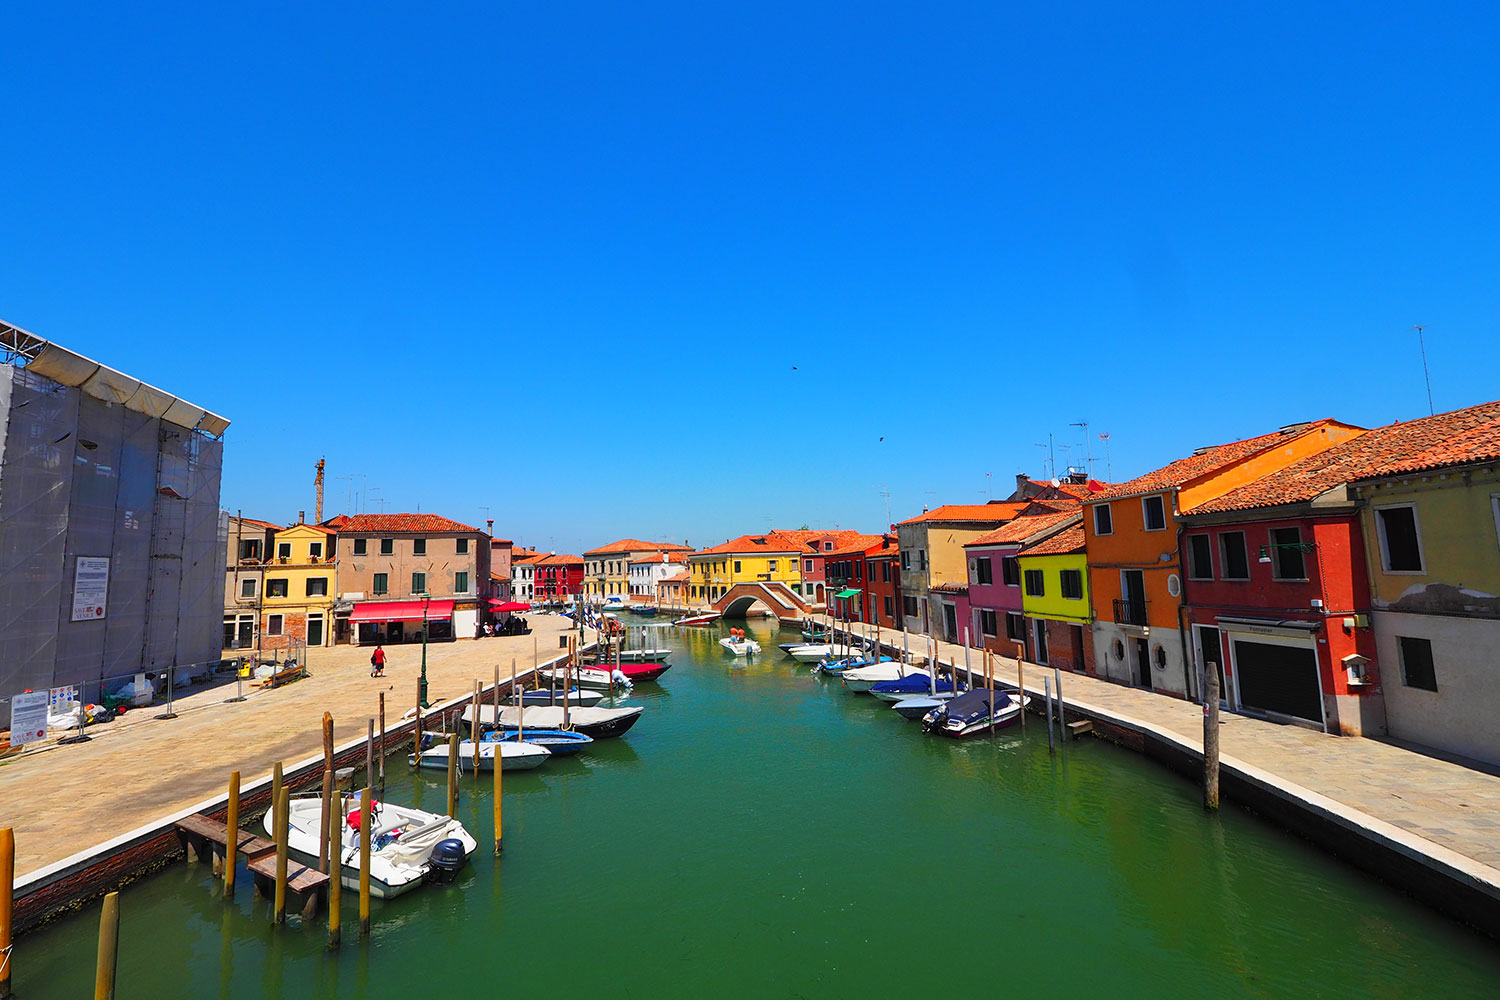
(446, 248)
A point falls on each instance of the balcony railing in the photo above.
(1130, 612)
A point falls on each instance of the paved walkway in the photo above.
(1448, 804)
(65, 799)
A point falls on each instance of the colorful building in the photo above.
(773, 557)
(297, 603)
(1132, 545)
(672, 591)
(650, 569)
(883, 582)
(1055, 598)
(399, 570)
(846, 569)
(932, 554)
(607, 568)
(523, 572)
(248, 545)
(998, 621)
(558, 578)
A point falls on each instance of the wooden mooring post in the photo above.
(1211, 737)
(380, 754)
(7, 905)
(333, 826)
(474, 729)
(275, 784)
(109, 948)
(499, 769)
(370, 754)
(282, 822)
(416, 736)
(364, 862)
(452, 774)
(1047, 690)
(1057, 690)
(231, 847)
(1021, 690)
(327, 785)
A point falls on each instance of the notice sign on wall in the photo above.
(90, 588)
(28, 717)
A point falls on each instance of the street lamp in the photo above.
(422, 684)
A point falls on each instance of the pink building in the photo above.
(994, 593)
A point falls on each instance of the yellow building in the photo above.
(606, 570)
(1055, 599)
(775, 557)
(297, 604)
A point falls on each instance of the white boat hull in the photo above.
(743, 647)
(812, 653)
(514, 756)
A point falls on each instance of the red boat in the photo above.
(698, 619)
(637, 672)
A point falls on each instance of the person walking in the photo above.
(377, 662)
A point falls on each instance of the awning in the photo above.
(851, 592)
(400, 611)
(502, 606)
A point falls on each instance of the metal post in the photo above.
(1061, 716)
(239, 691)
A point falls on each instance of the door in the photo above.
(315, 630)
(393, 631)
(1210, 649)
(1142, 664)
(1039, 634)
(246, 631)
(1077, 634)
(1132, 597)
(1280, 679)
(950, 619)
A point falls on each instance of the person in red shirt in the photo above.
(377, 662)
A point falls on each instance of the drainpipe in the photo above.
(1188, 676)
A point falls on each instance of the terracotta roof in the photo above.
(1082, 491)
(1204, 461)
(501, 542)
(522, 552)
(677, 577)
(1467, 435)
(415, 524)
(978, 513)
(336, 521)
(861, 545)
(303, 524)
(655, 557)
(556, 559)
(951, 588)
(532, 560)
(1022, 528)
(636, 545)
(1067, 541)
(260, 524)
(799, 540)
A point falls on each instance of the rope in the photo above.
(5, 959)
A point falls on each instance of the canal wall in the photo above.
(1450, 882)
(75, 881)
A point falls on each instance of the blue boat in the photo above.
(559, 741)
(837, 667)
(915, 708)
(913, 685)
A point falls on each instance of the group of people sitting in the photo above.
(510, 626)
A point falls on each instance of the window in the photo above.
(418, 582)
(387, 546)
(1232, 556)
(890, 607)
(987, 622)
(317, 586)
(1072, 584)
(827, 546)
(361, 546)
(461, 546)
(885, 564)
(1400, 545)
(921, 559)
(1200, 557)
(1010, 571)
(1035, 586)
(771, 565)
(858, 570)
(807, 565)
(1153, 513)
(1286, 554)
(275, 624)
(283, 550)
(380, 585)
(909, 606)
(1015, 627)
(460, 583)
(315, 549)
(736, 565)
(983, 572)
(247, 587)
(1416, 663)
(905, 559)
(1104, 523)
(275, 588)
(419, 546)
(250, 548)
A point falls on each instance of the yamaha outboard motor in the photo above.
(447, 859)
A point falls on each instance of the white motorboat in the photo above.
(812, 652)
(583, 698)
(600, 723)
(403, 841)
(645, 655)
(514, 756)
(859, 679)
(599, 678)
(739, 645)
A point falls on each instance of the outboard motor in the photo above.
(446, 859)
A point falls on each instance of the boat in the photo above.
(554, 696)
(561, 742)
(407, 846)
(707, 619)
(637, 655)
(599, 723)
(814, 634)
(812, 652)
(787, 647)
(643, 609)
(738, 644)
(970, 713)
(514, 756)
(605, 677)
(915, 683)
(837, 667)
(861, 679)
(915, 708)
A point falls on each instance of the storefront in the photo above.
(394, 622)
(1274, 669)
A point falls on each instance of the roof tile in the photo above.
(977, 513)
(1202, 462)
(403, 523)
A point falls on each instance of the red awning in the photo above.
(400, 611)
(499, 606)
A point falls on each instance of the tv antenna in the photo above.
(885, 492)
(1422, 343)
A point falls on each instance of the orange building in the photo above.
(1132, 541)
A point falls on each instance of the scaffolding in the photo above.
(96, 465)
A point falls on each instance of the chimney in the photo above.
(489, 525)
(1021, 480)
(301, 517)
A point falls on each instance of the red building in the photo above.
(1277, 594)
(557, 577)
(883, 583)
(865, 563)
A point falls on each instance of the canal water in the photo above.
(760, 833)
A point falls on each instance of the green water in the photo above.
(760, 833)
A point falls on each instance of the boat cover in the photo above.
(914, 684)
(974, 706)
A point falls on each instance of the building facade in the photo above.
(247, 548)
(932, 554)
(557, 578)
(1055, 599)
(606, 569)
(300, 586)
(646, 571)
(396, 567)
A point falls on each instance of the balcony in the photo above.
(1130, 612)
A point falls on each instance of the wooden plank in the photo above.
(211, 829)
(299, 877)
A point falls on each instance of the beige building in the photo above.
(249, 545)
(396, 568)
(606, 570)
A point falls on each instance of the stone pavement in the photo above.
(1445, 803)
(64, 799)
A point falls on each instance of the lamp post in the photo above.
(422, 684)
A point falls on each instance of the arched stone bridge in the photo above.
(783, 601)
